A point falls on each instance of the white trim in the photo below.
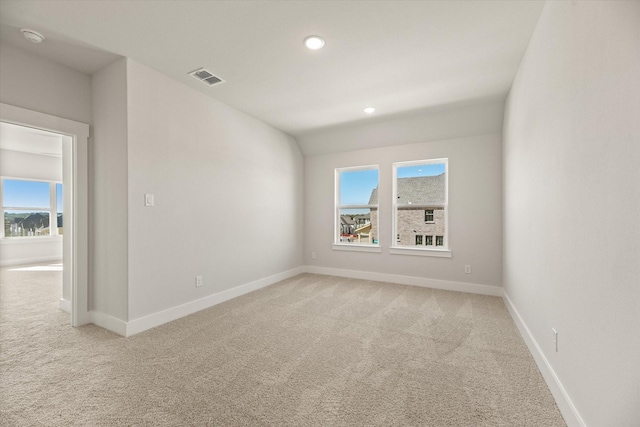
(65, 305)
(356, 248)
(156, 319)
(27, 261)
(441, 253)
(565, 404)
(424, 282)
(30, 240)
(109, 323)
(358, 207)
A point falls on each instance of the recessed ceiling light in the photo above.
(369, 110)
(314, 42)
(32, 36)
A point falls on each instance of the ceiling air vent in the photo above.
(206, 77)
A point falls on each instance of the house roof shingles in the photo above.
(419, 190)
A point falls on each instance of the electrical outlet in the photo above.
(313, 255)
(467, 269)
(198, 281)
(555, 339)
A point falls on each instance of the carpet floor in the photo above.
(308, 351)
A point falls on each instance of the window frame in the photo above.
(52, 209)
(427, 215)
(439, 251)
(337, 207)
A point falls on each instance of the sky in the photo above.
(421, 170)
(356, 186)
(29, 194)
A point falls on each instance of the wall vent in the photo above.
(206, 77)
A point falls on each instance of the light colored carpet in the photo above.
(309, 351)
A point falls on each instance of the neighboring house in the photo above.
(423, 225)
(364, 233)
(347, 225)
(362, 219)
(355, 228)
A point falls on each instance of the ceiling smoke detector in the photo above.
(32, 36)
(206, 77)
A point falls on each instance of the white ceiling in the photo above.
(398, 56)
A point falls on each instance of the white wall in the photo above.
(475, 211)
(16, 164)
(228, 195)
(108, 198)
(38, 84)
(572, 204)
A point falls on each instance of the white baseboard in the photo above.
(565, 404)
(65, 305)
(473, 288)
(28, 261)
(156, 319)
(109, 322)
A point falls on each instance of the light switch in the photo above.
(148, 199)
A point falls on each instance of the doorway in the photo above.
(73, 136)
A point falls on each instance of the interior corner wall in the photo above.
(572, 204)
(228, 195)
(42, 85)
(475, 211)
(108, 293)
(480, 117)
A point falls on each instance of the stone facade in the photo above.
(410, 219)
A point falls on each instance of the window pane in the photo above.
(421, 184)
(357, 187)
(59, 204)
(421, 191)
(59, 201)
(26, 223)
(358, 226)
(32, 194)
(428, 215)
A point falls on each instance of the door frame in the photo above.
(75, 170)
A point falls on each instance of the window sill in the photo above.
(357, 248)
(440, 253)
(27, 240)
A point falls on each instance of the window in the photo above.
(59, 204)
(356, 207)
(428, 215)
(420, 203)
(29, 206)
